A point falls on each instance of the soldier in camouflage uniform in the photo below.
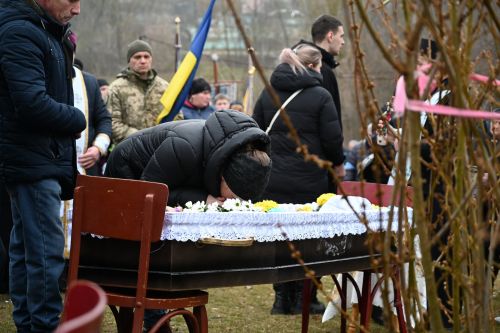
(134, 97)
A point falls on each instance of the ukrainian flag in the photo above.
(174, 96)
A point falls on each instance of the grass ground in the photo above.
(238, 309)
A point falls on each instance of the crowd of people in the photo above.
(57, 120)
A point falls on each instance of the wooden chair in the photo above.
(131, 210)
(381, 195)
(83, 308)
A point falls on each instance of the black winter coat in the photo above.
(37, 122)
(187, 155)
(313, 114)
(330, 83)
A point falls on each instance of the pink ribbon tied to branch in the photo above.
(402, 103)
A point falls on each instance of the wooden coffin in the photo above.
(188, 265)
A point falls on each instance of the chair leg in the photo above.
(306, 302)
(138, 320)
(124, 318)
(365, 301)
(200, 312)
(343, 304)
(190, 324)
(342, 289)
(189, 317)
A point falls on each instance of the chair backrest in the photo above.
(117, 208)
(377, 194)
(83, 308)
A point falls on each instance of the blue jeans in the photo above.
(36, 255)
(151, 317)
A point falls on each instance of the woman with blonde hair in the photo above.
(313, 114)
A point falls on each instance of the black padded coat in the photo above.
(313, 114)
(329, 79)
(187, 155)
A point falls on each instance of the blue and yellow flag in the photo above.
(174, 96)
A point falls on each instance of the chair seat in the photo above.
(157, 299)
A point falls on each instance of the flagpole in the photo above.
(215, 58)
(177, 91)
(177, 42)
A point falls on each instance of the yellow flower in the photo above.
(322, 199)
(305, 208)
(266, 205)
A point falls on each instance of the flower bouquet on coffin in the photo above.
(349, 203)
(237, 205)
(229, 205)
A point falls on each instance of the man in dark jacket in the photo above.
(327, 34)
(224, 157)
(38, 126)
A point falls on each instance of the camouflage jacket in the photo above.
(134, 103)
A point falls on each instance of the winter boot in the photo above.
(315, 307)
(297, 297)
(281, 303)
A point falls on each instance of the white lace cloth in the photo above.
(264, 227)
